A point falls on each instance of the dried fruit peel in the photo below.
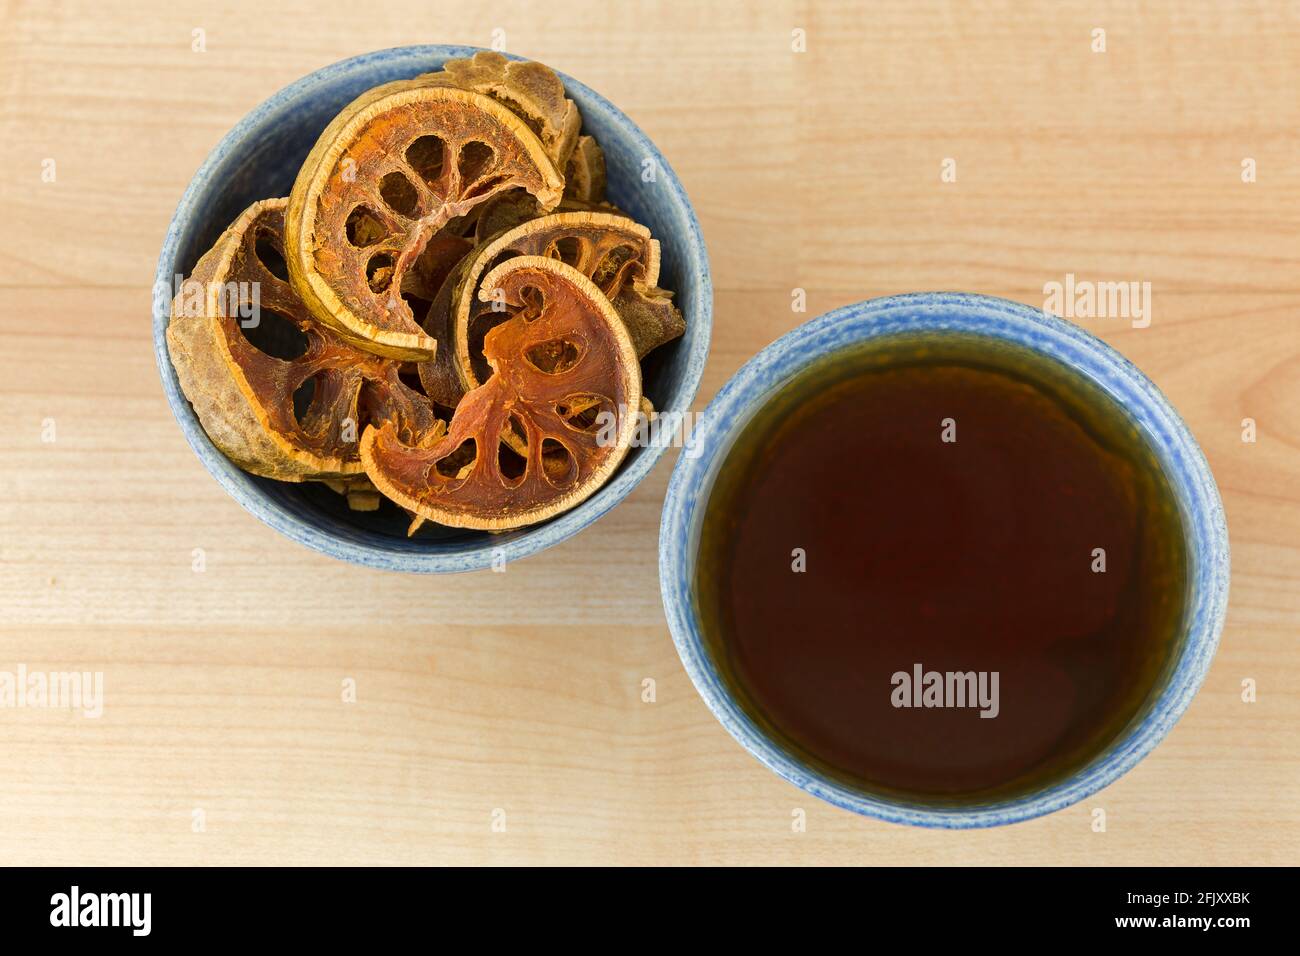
(244, 397)
(557, 311)
(350, 243)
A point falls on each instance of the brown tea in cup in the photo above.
(942, 568)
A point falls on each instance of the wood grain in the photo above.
(521, 691)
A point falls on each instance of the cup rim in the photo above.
(1002, 319)
(370, 553)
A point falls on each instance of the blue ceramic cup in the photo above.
(1000, 320)
(259, 159)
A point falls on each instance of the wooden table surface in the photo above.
(517, 697)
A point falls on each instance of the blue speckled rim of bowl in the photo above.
(683, 244)
(1188, 472)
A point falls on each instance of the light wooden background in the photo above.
(522, 691)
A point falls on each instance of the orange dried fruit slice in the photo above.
(390, 171)
(616, 253)
(546, 429)
(532, 91)
(278, 393)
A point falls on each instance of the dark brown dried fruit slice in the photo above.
(561, 360)
(507, 210)
(427, 274)
(531, 90)
(285, 397)
(385, 177)
(615, 252)
(504, 212)
(584, 173)
(438, 376)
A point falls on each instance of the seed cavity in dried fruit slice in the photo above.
(278, 393)
(532, 91)
(615, 252)
(391, 170)
(545, 430)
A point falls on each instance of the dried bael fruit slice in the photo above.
(584, 173)
(440, 258)
(504, 211)
(438, 376)
(548, 427)
(279, 394)
(615, 252)
(531, 90)
(387, 174)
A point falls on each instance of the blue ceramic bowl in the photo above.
(765, 374)
(259, 159)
